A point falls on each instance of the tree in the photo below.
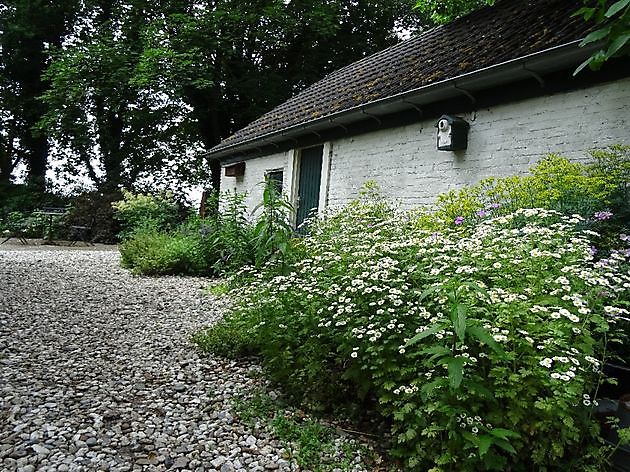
(445, 11)
(143, 84)
(28, 28)
(613, 21)
(105, 126)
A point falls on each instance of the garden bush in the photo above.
(139, 212)
(150, 252)
(479, 331)
(18, 202)
(598, 190)
(94, 210)
(221, 243)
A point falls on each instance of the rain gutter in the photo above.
(531, 65)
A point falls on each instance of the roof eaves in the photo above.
(546, 60)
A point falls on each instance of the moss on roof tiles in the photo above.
(510, 29)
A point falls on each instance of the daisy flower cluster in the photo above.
(461, 335)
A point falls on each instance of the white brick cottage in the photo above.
(375, 119)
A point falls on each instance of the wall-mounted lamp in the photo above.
(452, 134)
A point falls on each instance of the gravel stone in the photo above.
(97, 371)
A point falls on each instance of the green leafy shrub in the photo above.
(481, 344)
(227, 235)
(197, 246)
(26, 199)
(18, 204)
(273, 231)
(150, 252)
(32, 225)
(222, 243)
(94, 210)
(144, 212)
(555, 183)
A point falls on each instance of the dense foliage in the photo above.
(130, 93)
(154, 243)
(28, 29)
(18, 206)
(598, 190)
(481, 341)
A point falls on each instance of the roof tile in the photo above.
(508, 30)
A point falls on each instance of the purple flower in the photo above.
(482, 213)
(625, 237)
(494, 206)
(602, 215)
(593, 250)
(459, 220)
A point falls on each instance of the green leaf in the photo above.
(617, 44)
(503, 444)
(427, 389)
(617, 7)
(459, 321)
(485, 442)
(504, 433)
(596, 36)
(476, 287)
(479, 389)
(423, 334)
(455, 371)
(582, 66)
(428, 292)
(585, 12)
(485, 337)
(437, 352)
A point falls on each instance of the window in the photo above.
(276, 176)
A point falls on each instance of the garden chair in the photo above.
(81, 233)
(17, 234)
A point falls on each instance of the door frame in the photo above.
(293, 174)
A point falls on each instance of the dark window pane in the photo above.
(276, 177)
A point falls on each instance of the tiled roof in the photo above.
(508, 30)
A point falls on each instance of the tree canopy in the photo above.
(28, 30)
(135, 90)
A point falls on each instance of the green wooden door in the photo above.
(309, 182)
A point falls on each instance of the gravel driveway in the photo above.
(96, 371)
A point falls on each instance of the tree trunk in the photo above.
(110, 130)
(205, 110)
(7, 162)
(37, 161)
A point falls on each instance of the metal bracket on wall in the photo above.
(465, 92)
(374, 117)
(290, 138)
(535, 75)
(415, 107)
(332, 121)
(273, 143)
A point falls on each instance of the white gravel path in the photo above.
(96, 371)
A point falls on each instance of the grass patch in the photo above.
(308, 442)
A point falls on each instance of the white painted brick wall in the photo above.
(255, 170)
(503, 140)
